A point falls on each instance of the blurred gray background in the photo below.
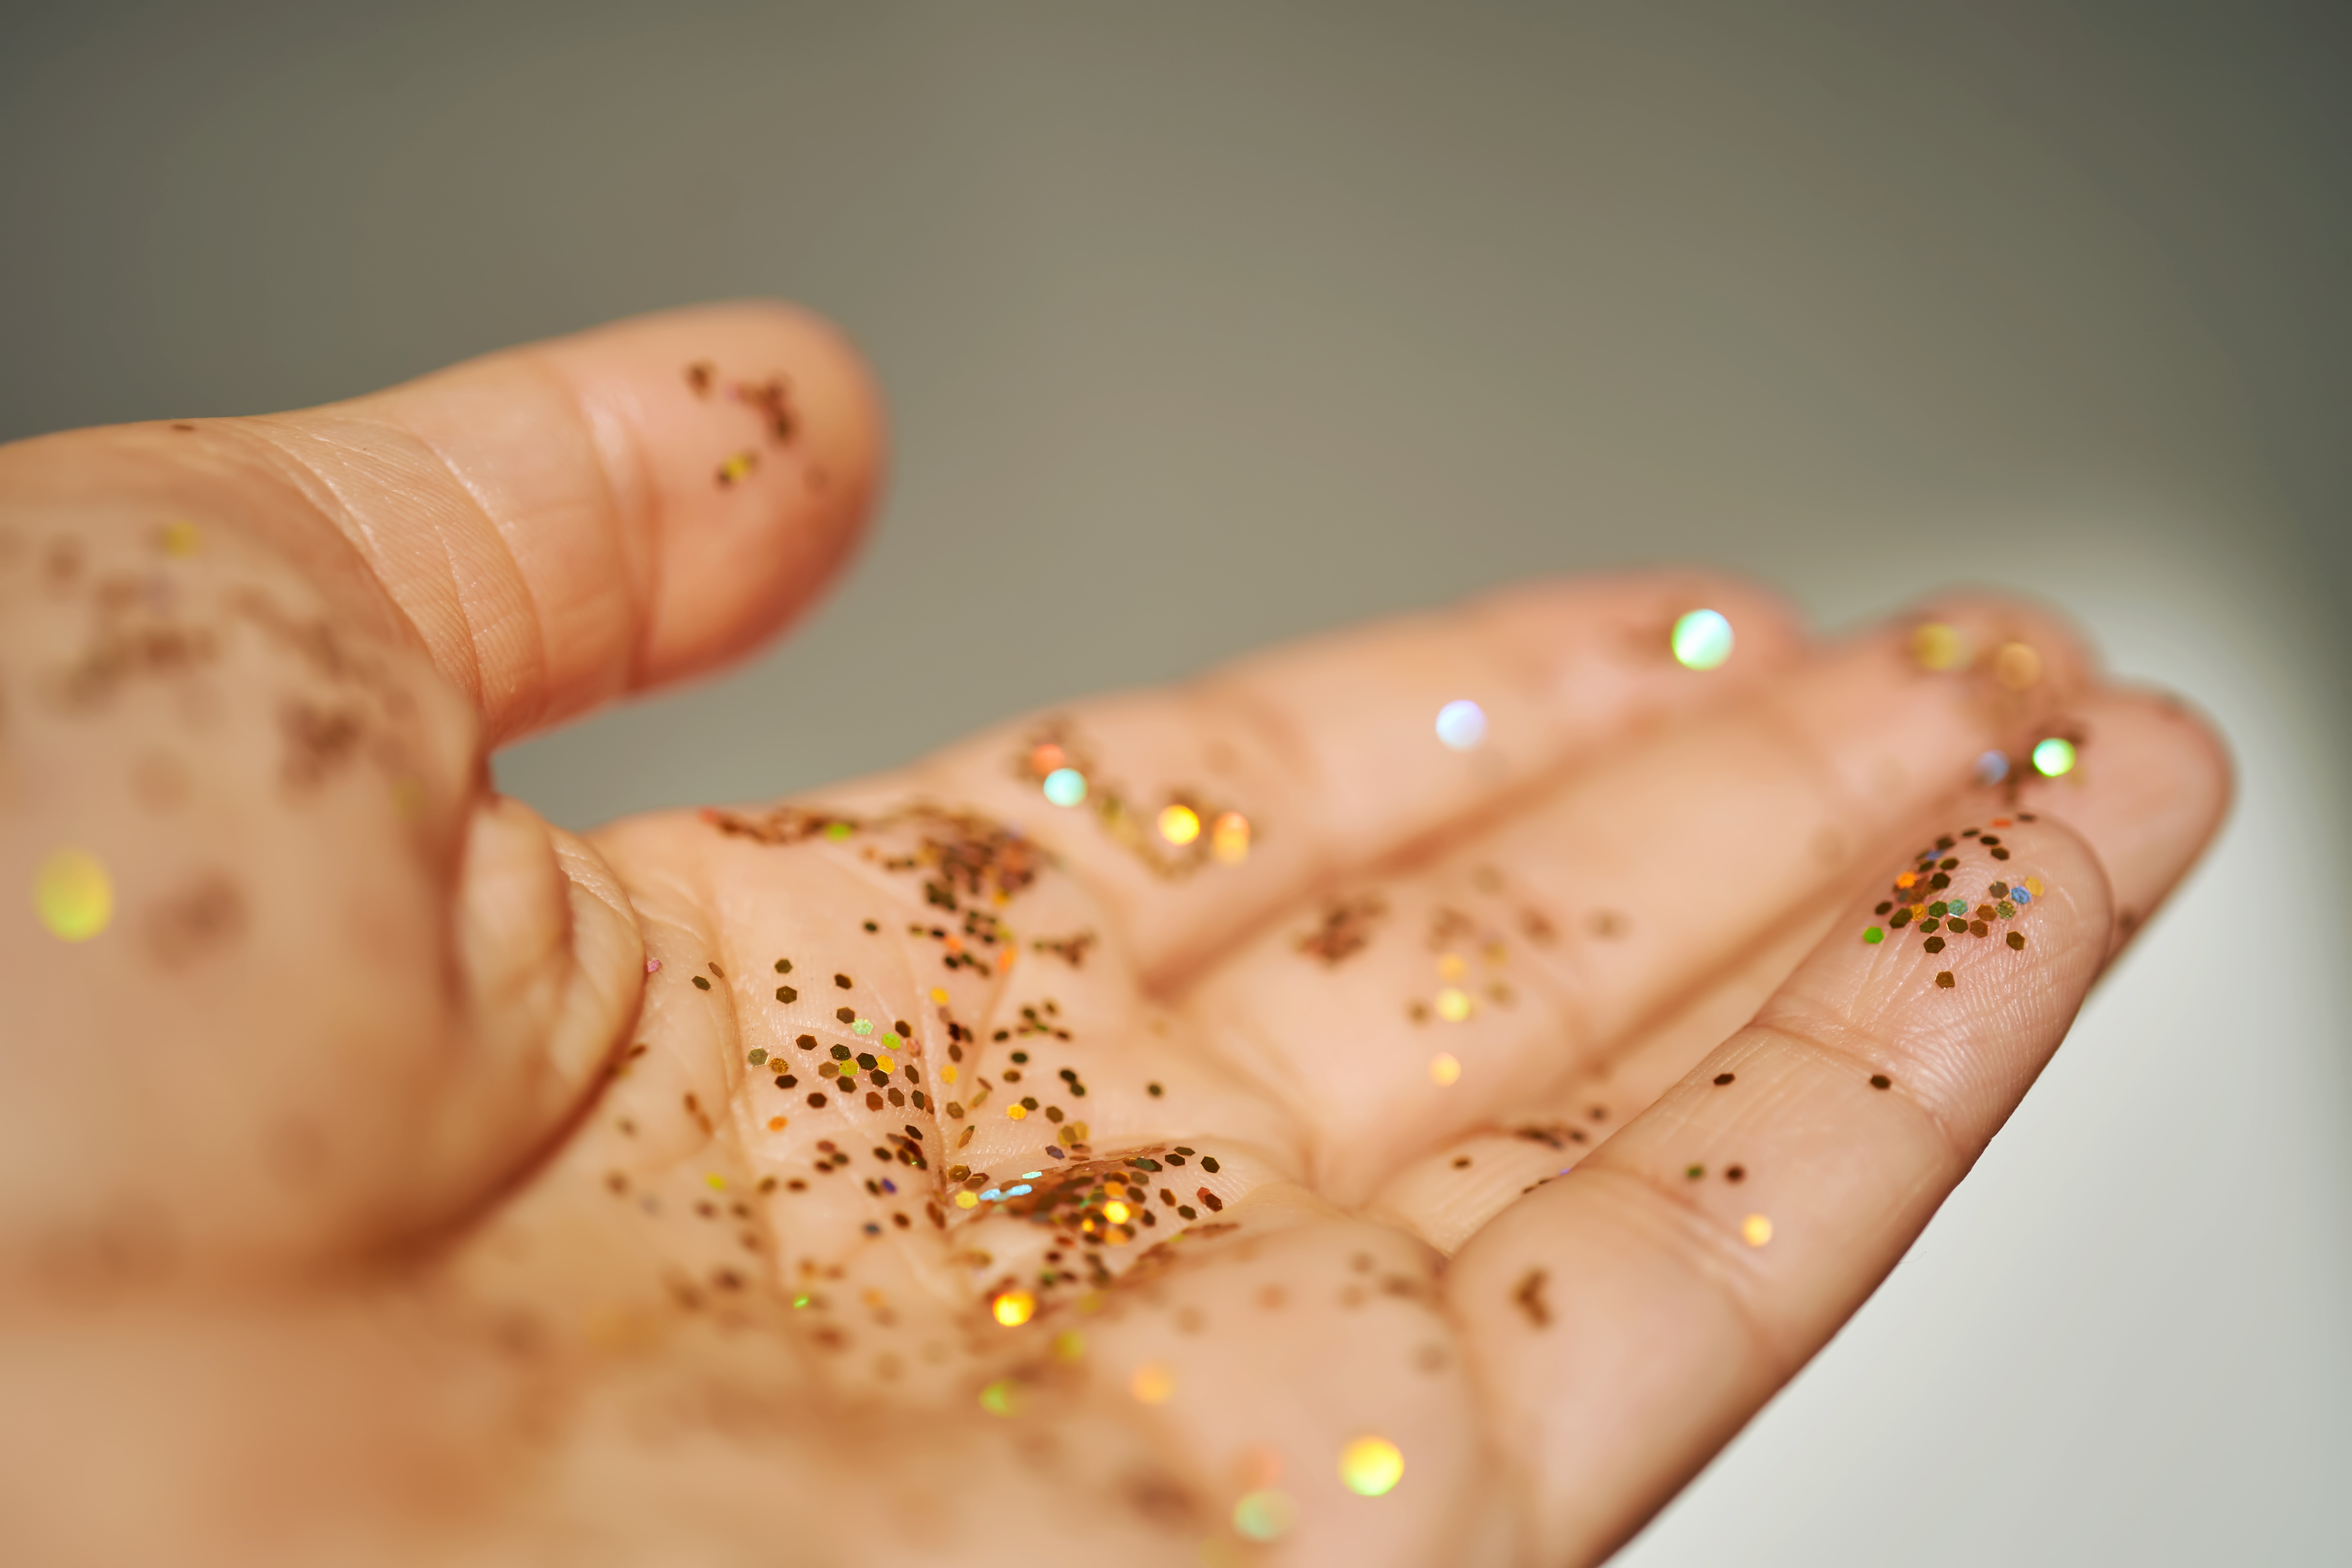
(1231, 322)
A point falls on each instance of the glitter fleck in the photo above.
(1939, 647)
(1229, 840)
(1453, 1005)
(1756, 1230)
(179, 538)
(1873, 935)
(1065, 786)
(1992, 767)
(1013, 1308)
(1461, 724)
(1444, 1071)
(1180, 825)
(2017, 666)
(2053, 756)
(1265, 1515)
(1152, 1383)
(1371, 1467)
(74, 895)
(1702, 639)
(967, 1200)
(1002, 1397)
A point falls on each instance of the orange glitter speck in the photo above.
(1906, 879)
(776, 1124)
(1047, 757)
(1229, 840)
(1152, 1383)
(2017, 666)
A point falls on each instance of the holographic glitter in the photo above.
(1265, 1515)
(1065, 786)
(1702, 639)
(1453, 1005)
(1180, 825)
(2053, 756)
(1939, 647)
(1013, 1308)
(1992, 767)
(1461, 724)
(74, 895)
(1444, 1070)
(1370, 1466)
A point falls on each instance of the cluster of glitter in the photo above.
(1922, 897)
(770, 400)
(1184, 835)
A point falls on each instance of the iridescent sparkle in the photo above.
(1065, 786)
(1371, 1467)
(1461, 724)
(73, 894)
(1702, 639)
(2053, 756)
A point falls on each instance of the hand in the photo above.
(1173, 1128)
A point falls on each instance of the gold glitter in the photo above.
(939, 997)
(1371, 1467)
(1453, 1006)
(1152, 1383)
(2033, 886)
(967, 1200)
(1116, 1212)
(179, 538)
(776, 1124)
(2017, 666)
(74, 895)
(1013, 1308)
(716, 1182)
(1229, 840)
(1451, 966)
(948, 1073)
(1180, 825)
(1444, 1071)
(1069, 1345)
(1939, 647)
(1756, 1230)
(735, 469)
(1016, 1111)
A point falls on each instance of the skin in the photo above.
(368, 1195)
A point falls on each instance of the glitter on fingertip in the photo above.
(1702, 639)
(1453, 1005)
(1756, 1230)
(1371, 1467)
(1229, 840)
(1992, 767)
(73, 894)
(1013, 1308)
(1180, 825)
(1065, 786)
(2053, 756)
(1152, 1383)
(1444, 1069)
(1461, 724)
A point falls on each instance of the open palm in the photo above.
(1253, 1119)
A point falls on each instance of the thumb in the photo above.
(560, 523)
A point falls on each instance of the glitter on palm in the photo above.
(1703, 639)
(1371, 1467)
(1264, 1515)
(73, 895)
(2053, 756)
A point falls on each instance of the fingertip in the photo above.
(749, 438)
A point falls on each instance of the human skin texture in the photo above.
(921, 1170)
